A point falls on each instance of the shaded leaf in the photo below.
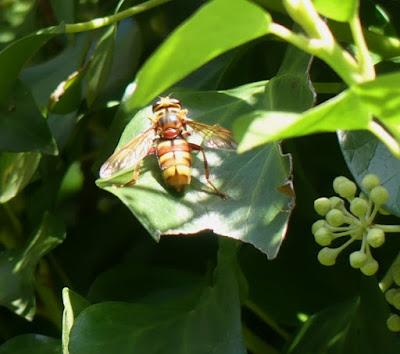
(16, 170)
(100, 64)
(64, 10)
(364, 154)
(255, 212)
(356, 326)
(25, 343)
(22, 126)
(207, 320)
(17, 267)
(198, 40)
(337, 10)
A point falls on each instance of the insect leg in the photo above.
(207, 171)
(136, 171)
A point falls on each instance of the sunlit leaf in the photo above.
(201, 38)
(256, 210)
(337, 10)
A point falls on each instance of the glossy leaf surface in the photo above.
(29, 343)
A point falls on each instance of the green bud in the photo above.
(357, 259)
(346, 189)
(370, 267)
(379, 195)
(396, 299)
(322, 206)
(375, 237)
(396, 274)
(317, 225)
(335, 217)
(338, 181)
(336, 202)
(389, 295)
(323, 236)
(359, 207)
(327, 256)
(370, 181)
(383, 211)
(393, 323)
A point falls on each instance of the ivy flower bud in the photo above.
(344, 187)
(375, 237)
(323, 236)
(370, 181)
(379, 195)
(396, 299)
(370, 267)
(393, 323)
(389, 295)
(357, 259)
(322, 206)
(335, 217)
(317, 225)
(336, 202)
(327, 256)
(359, 207)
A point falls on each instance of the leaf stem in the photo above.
(108, 20)
(255, 344)
(268, 320)
(380, 132)
(387, 280)
(329, 51)
(364, 59)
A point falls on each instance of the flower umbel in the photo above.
(355, 223)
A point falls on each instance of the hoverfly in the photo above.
(167, 138)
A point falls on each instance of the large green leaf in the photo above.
(17, 267)
(353, 109)
(356, 326)
(256, 210)
(16, 170)
(364, 154)
(31, 343)
(206, 320)
(22, 126)
(337, 10)
(217, 27)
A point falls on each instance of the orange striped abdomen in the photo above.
(175, 162)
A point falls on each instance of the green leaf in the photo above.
(29, 343)
(364, 154)
(338, 10)
(245, 215)
(74, 304)
(16, 170)
(14, 56)
(205, 320)
(356, 326)
(100, 64)
(17, 267)
(215, 28)
(22, 126)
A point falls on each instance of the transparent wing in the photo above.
(214, 136)
(130, 154)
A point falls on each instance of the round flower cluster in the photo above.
(355, 224)
(393, 296)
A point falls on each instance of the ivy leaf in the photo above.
(201, 38)
(364, 154)
(22, 126)
(256, 211)
(206, 320)
(17, 267)
(351, 324)
(16, 170)
(337, 10)
(25, 343)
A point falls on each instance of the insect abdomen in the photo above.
(175, 162)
